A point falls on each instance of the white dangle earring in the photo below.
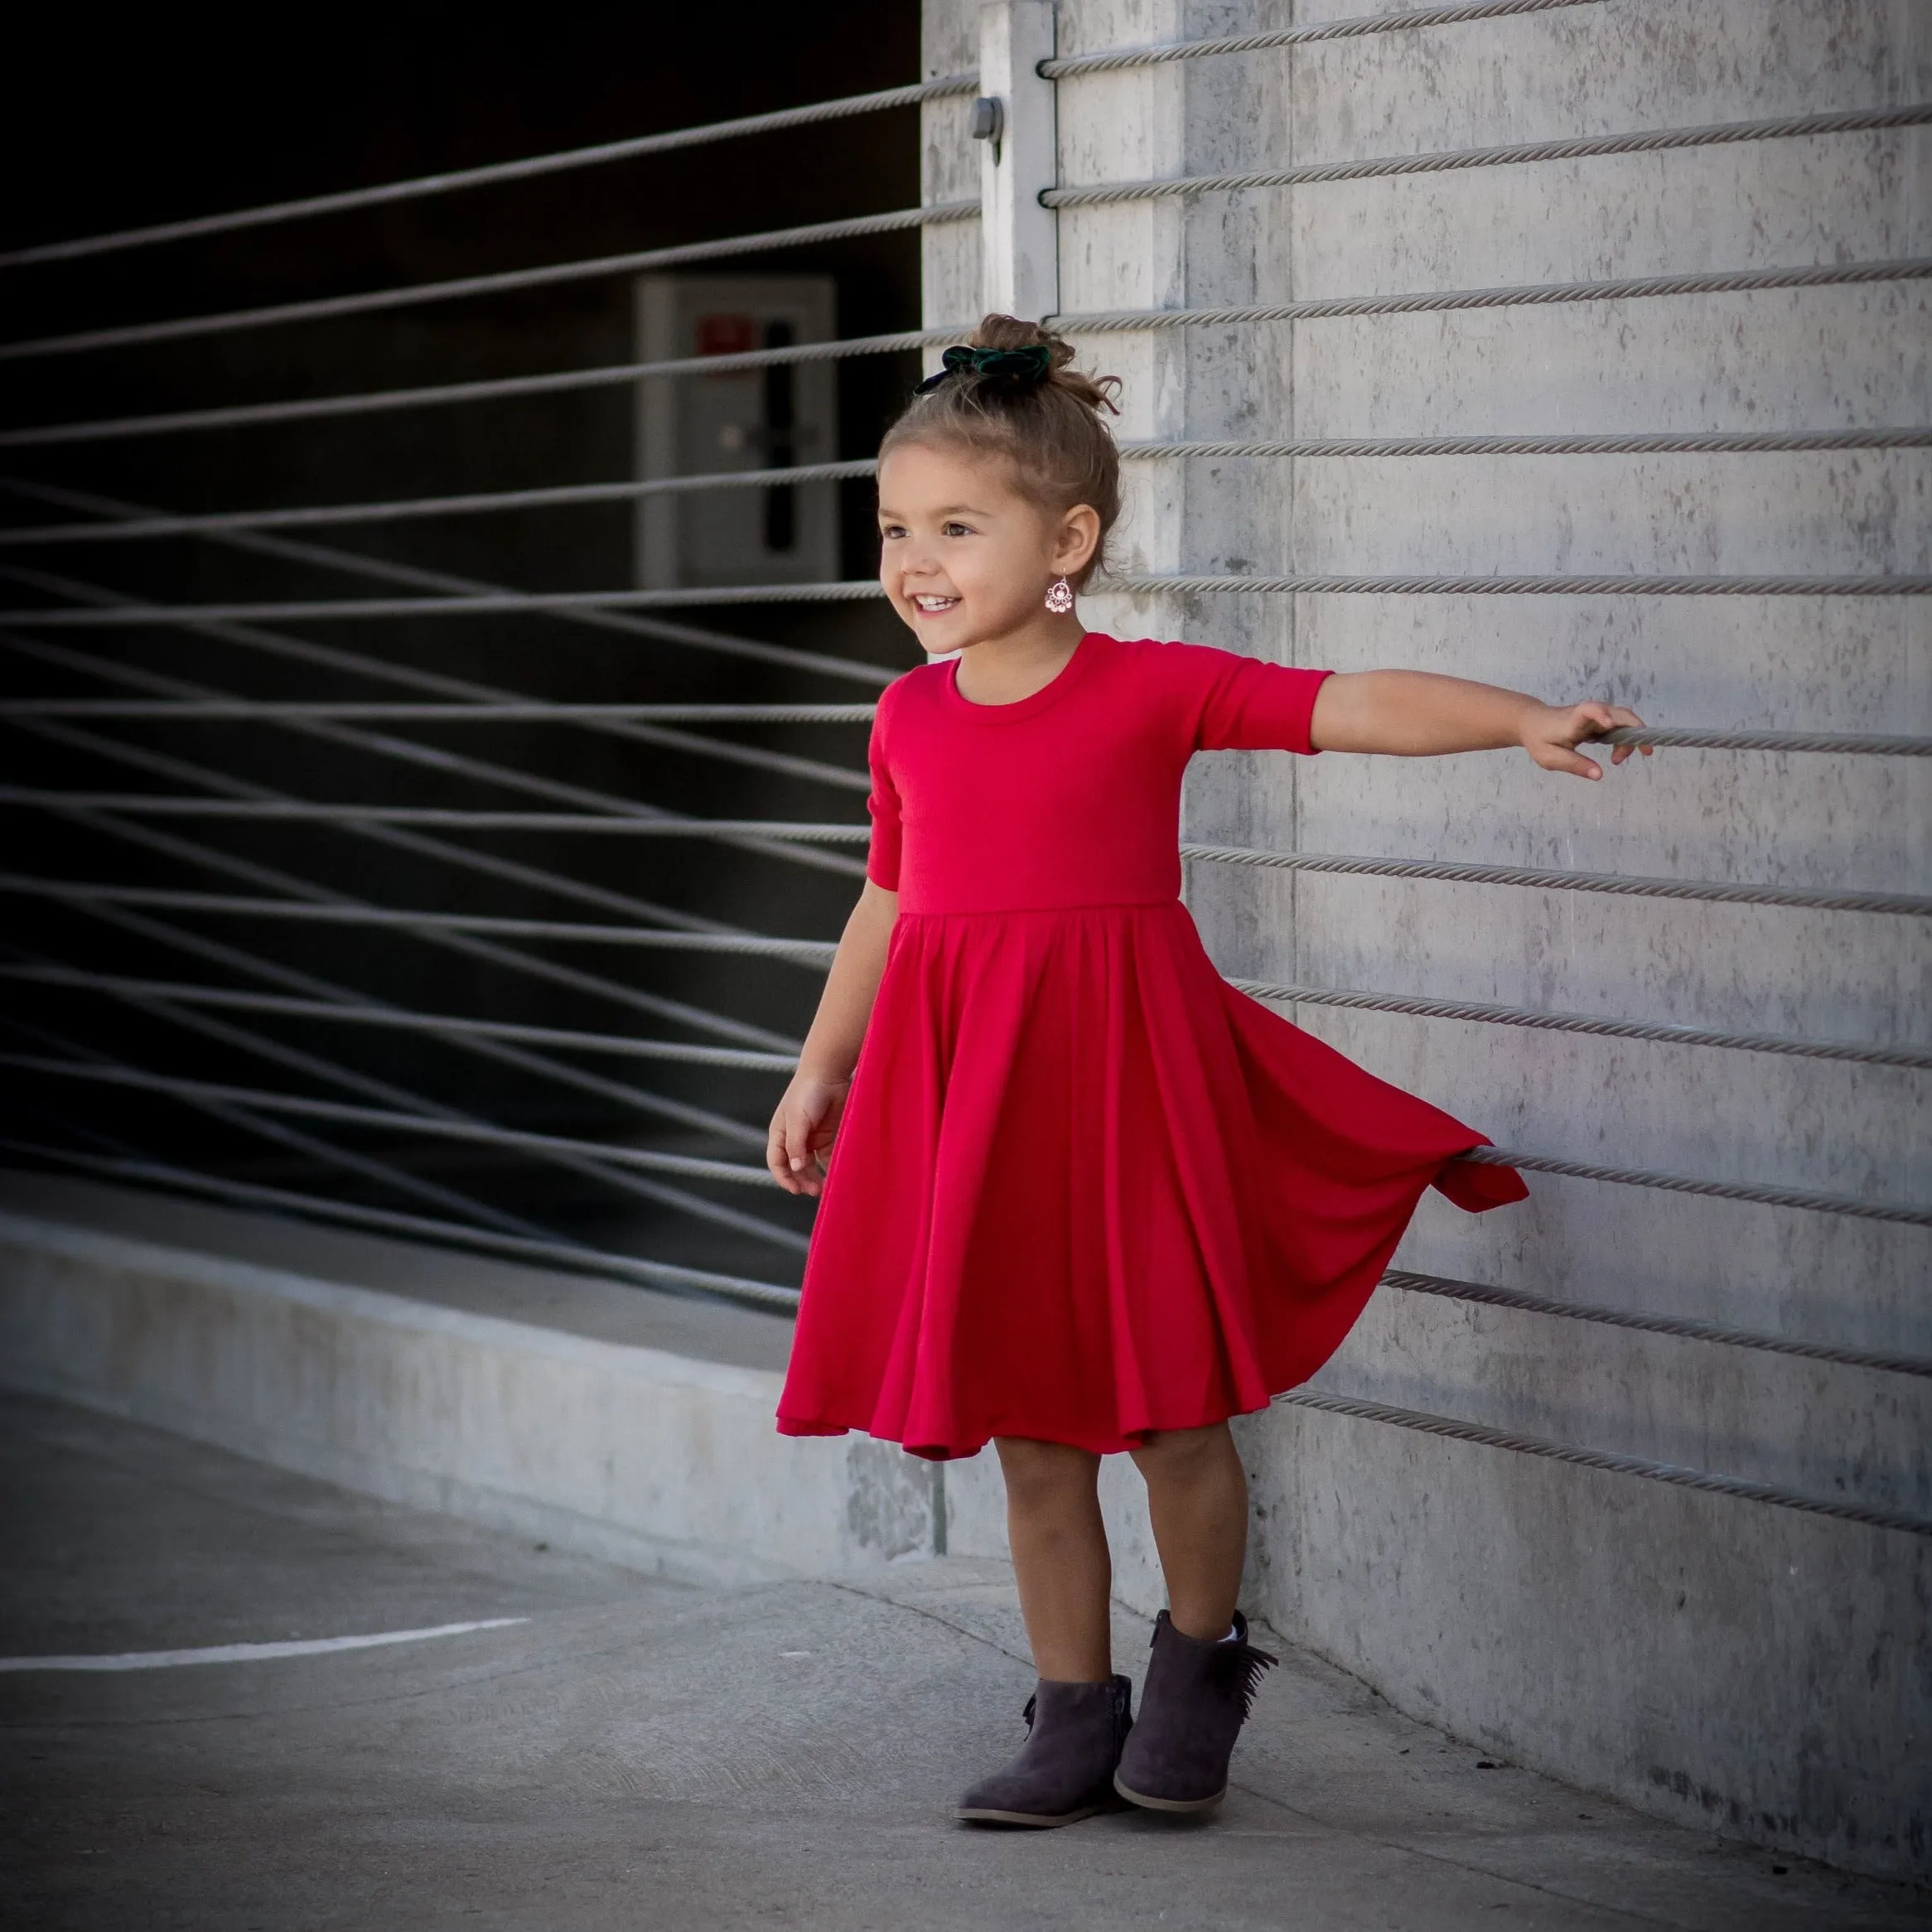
(1060, 597)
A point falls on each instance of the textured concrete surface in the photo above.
(636, 1753)
(620, 1423)
(1720, 1661)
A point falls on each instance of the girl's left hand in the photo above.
(1552, 733)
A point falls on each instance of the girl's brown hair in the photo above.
(1050, 431)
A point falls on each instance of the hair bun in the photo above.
(1009, 332)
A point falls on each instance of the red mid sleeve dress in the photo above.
(1082, 1189)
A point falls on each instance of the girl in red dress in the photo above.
(1085, 1198)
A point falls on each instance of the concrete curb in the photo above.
(668, 1464)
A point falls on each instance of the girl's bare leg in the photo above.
(1060, 1557)
(1197, 1496)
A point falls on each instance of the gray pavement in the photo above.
(637, 1753)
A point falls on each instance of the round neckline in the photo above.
(1054, 687)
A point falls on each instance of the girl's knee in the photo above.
(1185, 1451)
(1045, 1472)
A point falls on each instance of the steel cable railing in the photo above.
(1359, 27)
(486, 503)
(431, 1125)
(660, 727)
(341, 1003)
(516, 960)
(1515, 154)
(1910, 1521)
(623, 1046)
(402, 751)
(1542, 878)
(1681, 1327)
(553, 1250)
(344, 731)
(386, 570)
(546, 1067)
(308, 1145)
(495, 174)
(634, 926)
(334, 1074)
(819, 954)
(1526, 295)
(551, 603)
(447, 395)
(468, 288)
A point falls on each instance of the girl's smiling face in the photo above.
(963, 555)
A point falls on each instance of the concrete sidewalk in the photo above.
(640, 1752)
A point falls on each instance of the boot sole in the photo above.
(1151, 1804)
(1032, 1820)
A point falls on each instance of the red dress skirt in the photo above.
(1082, 1189)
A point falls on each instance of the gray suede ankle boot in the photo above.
(1065, 1772)
(1193, 1702)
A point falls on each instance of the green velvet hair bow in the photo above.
(1024, 368)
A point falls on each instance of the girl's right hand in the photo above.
(801, 1129)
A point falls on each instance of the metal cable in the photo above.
(491, 388)
(273, 879)
(1671, 1325)
(511, 958)
(1554, 879)
(283, 1135)
(557, 603)
(447, 763)
(1530, 295)
(1663, 1032)
(811, 953)
(429, 1126)
(331, 1072)
(1906, 1056)
(276, 711)
(489, 863)
(1066, 68)
(1880, 744)
(808, 953)
(767, 1295)
(139, 805)
(623, 1046)
(496, 603)
(534, 710)
(1812, 898)
(252, 964)
(1812, 1200)
(1574, 147)
(705, 1119)
(1519, 586)
(1640, 444)
(439, 759)
(444, 764)
(326, 516)
(404, 510)
(504, 281)
(1616, 1465)
(351, 563)
(494, 172)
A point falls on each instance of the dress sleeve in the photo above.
(882, 857)
(1246, 705)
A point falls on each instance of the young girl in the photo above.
(1085, 1197)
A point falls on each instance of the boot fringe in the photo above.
(1238, 1667)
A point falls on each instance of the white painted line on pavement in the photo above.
(250, 1653)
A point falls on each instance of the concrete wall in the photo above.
(1718, 1660)
(604, 1418)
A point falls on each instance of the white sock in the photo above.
(1233, 1631)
